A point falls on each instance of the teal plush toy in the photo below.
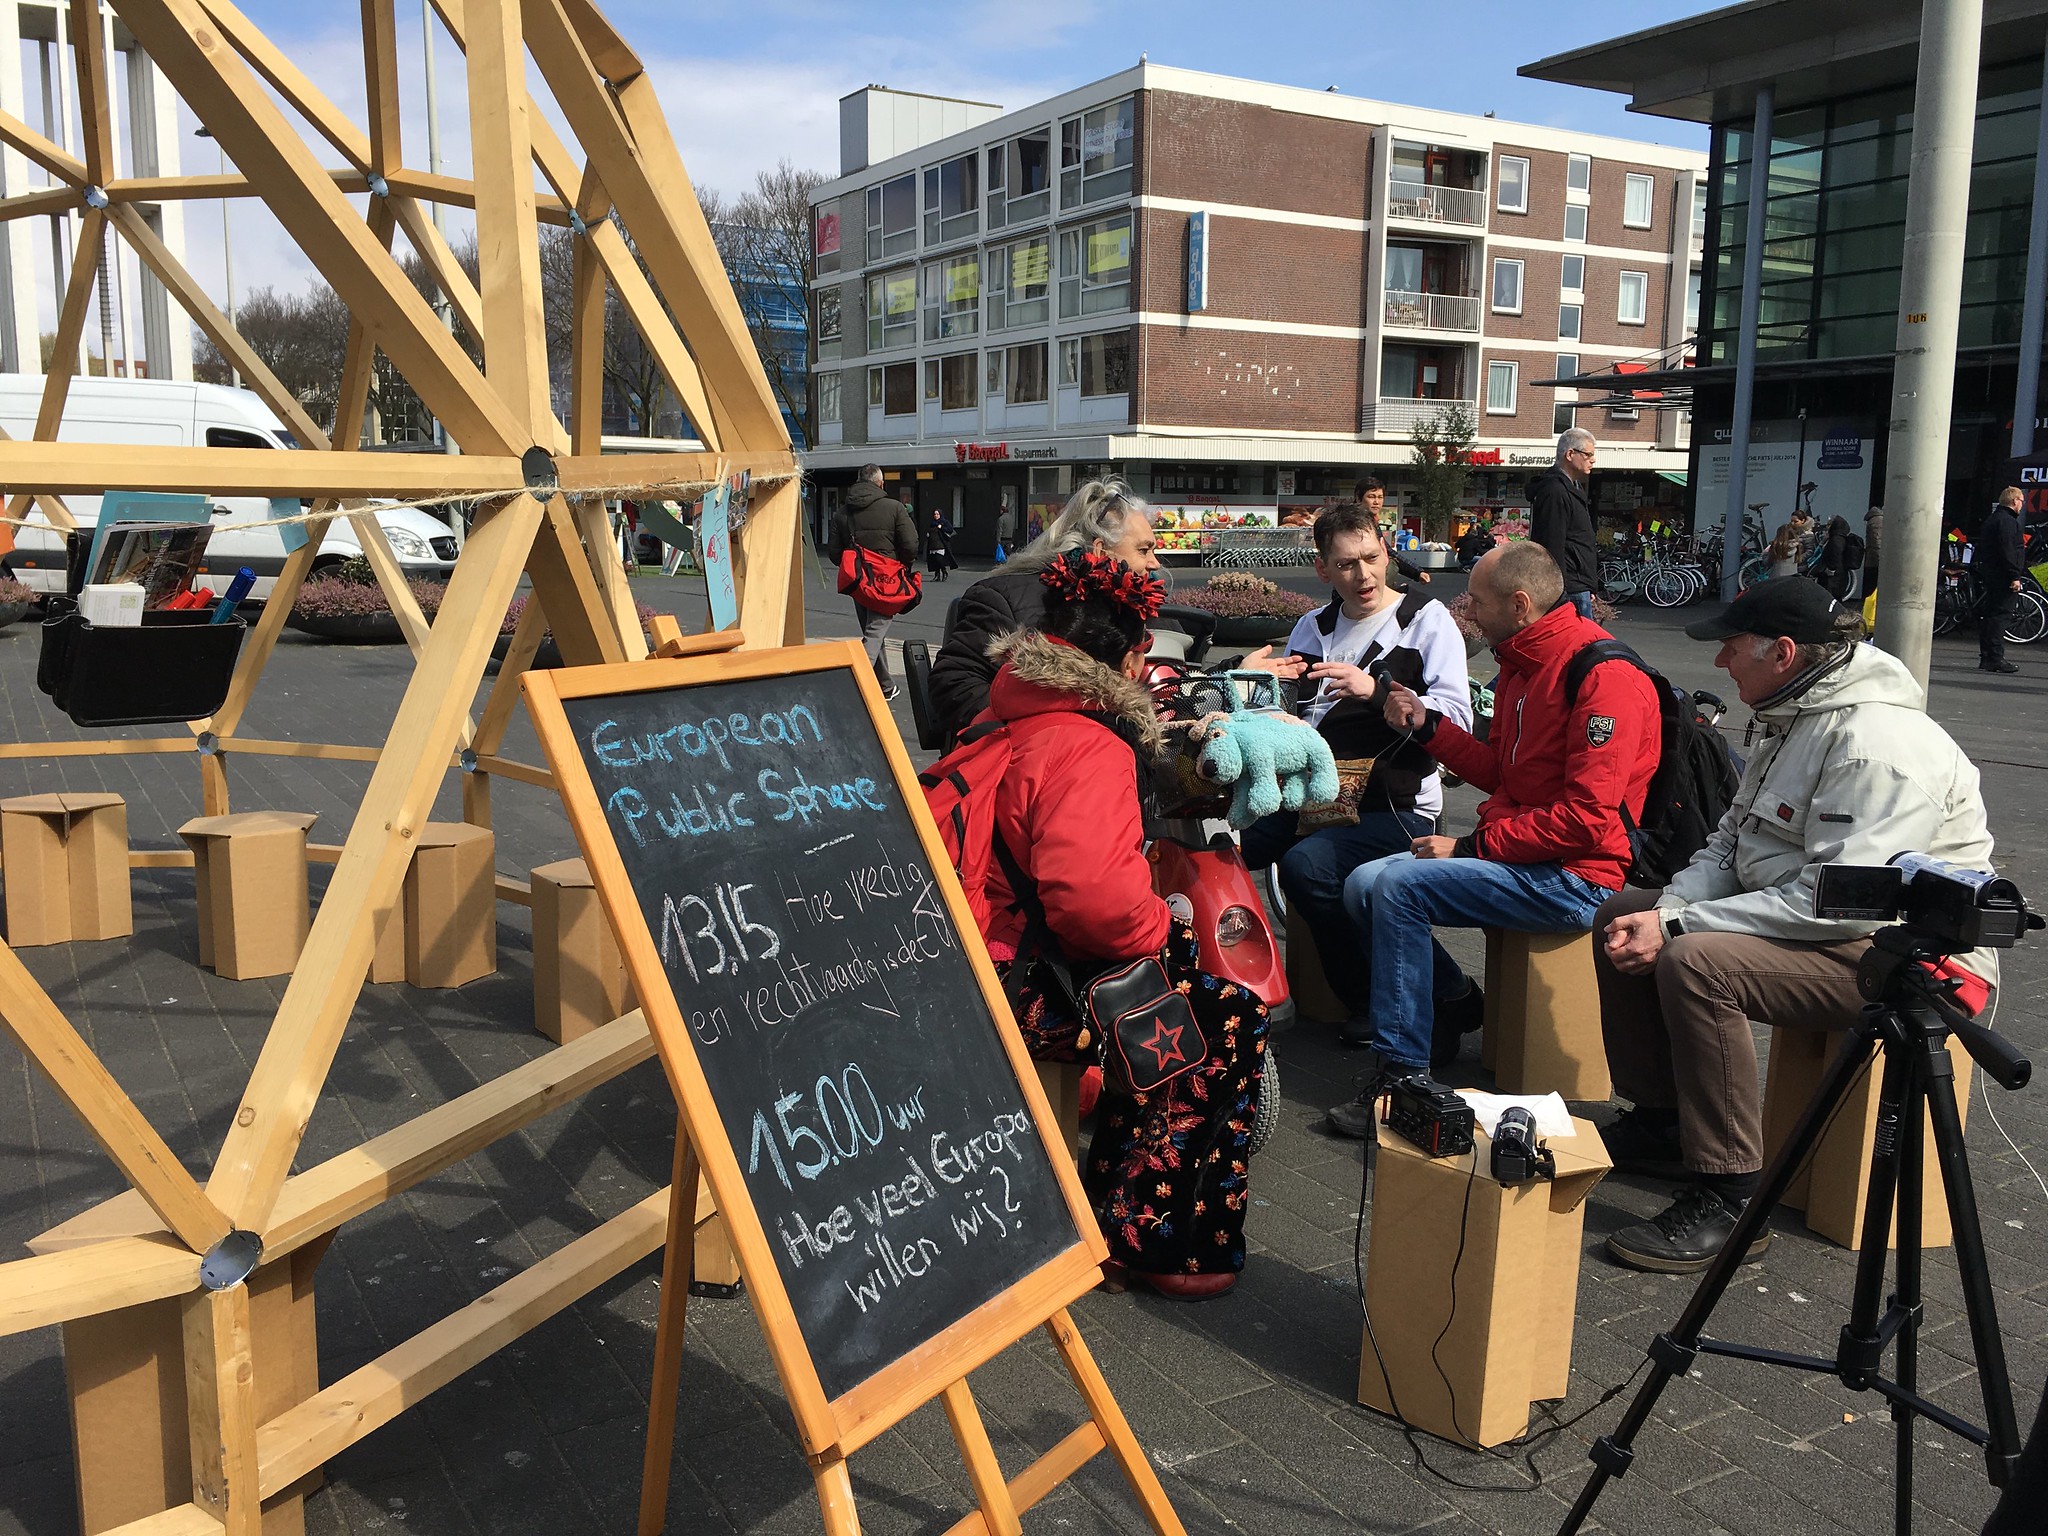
(1275, 762)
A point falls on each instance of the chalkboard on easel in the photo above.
(874, 1110)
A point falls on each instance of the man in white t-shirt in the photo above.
(1368, 628)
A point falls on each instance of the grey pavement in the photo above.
(1246, 1405)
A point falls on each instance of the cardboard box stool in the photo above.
(451, 906)
(1306, 984)
(1543, 1015)
(64, 860)
(579, 976)
(1504, 1316)
(1836, 1181)
(1061, 1081)
(251, 872)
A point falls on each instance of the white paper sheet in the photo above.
(1553, 1120)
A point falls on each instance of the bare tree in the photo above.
(764, 237)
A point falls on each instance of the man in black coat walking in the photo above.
(880, 525)
(2000, 562)
(1561, 517)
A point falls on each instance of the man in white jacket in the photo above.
(1849, 770)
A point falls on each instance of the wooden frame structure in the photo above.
(168, 1264)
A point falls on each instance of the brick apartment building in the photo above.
(1234, 294)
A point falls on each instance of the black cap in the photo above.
(1797, 608)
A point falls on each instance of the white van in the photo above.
(165, 413)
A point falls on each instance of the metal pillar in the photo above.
(1745, 335)
(2026, 398)
(1930, 300)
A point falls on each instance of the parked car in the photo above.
(166, 413)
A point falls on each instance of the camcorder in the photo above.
(1944, 905)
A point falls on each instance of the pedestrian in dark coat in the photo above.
(2000, 562)
(881, 525)
(1561, 517)
(938, 546)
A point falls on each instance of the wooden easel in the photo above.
(257, 1426)
(938, 1365)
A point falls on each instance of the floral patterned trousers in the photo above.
(1166, 1171)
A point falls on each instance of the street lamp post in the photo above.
(227, 248)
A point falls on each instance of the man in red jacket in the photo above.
(1551, 844)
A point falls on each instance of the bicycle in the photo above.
(1959, 599)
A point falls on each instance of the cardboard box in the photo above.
(579, 976)
(1306, 983)
(1470, 1342)
(251, 870)
(387, 962)
(64, 858)
(1543, 1015)
(451, 906)
(1061, 1081)
(1836, 1181)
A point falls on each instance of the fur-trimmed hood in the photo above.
(1038, 675)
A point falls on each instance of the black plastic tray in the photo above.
(171, 667)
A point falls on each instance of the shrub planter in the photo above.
(354, 628)
(348, 605)
(15, 600)
(1256, 630)
(1249, 610)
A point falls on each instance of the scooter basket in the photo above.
(174, 666)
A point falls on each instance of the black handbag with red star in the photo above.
(1148, 1031)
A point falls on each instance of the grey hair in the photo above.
(1848, 630)
(1574, 438)
(1098, 510)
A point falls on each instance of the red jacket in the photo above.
(1556, 780)
(1068, 807)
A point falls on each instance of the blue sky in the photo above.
(748, 82)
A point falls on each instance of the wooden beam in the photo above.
(60, 163)
(608, 569)
(622, 131)
(290, 82)
(380, 85)
(455, 191)
(458, 192)
(43, 200)
(643, 307)
(185, 1520)
(103, 1277)
(508, 240)
(78, 290)
(221, 89)
(95, 105)
(578, 614)
(518, 772)
(98, 467)
(615, 472)
(678, 1256)
(334, 752)
(434, 250)
(220, 1406)
(587, 293)
(610, 52)
(771, 568)
(299, 1050)
(109, 1114)
(301, 1438)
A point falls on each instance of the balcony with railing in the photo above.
(1432, 311)
(1393, 416)
(1426, 202)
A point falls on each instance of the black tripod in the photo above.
(1910, 1021)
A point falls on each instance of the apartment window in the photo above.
(1635, 201)
(1572, 274)
(1095, 154)
(829, 322)
(1692, 304)
(1575, 221)
(892, 309)
(1561, 413)
(1567, 322)
(1070, 365)
(1514, 185)
(1020, 179)
(1635, 298)
(956, 381)
(1026, 368)
(892, 218)
(1095, 268)
(1105, 364)
(1578, 175)
(952, 199)
(931, 378)
(952, 297)
(1507, 286)
(995, 373)
(894, 389)
(1020, 283)
(1500, 388)
(828, 398)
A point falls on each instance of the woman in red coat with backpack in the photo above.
(1068, 886)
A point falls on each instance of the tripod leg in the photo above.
(1672, 1353)
(2001, 1453)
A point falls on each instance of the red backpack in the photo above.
(961, 788)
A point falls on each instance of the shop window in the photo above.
(1020, 179)
(1020, 283)
(1105, 364)
(1095, 268)
(892, 309)
(952, 199)
(1095, 154)
(952, 297)
(1513, 193)
(892, 218)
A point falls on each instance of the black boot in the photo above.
(1684, 1238)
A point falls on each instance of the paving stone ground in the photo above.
(1246, 1405)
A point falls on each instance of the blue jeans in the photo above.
(1394, 902)
(1583, 601)
(1312, 873)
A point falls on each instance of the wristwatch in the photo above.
(1671, 923)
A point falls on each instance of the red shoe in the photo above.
(1184, 1287)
